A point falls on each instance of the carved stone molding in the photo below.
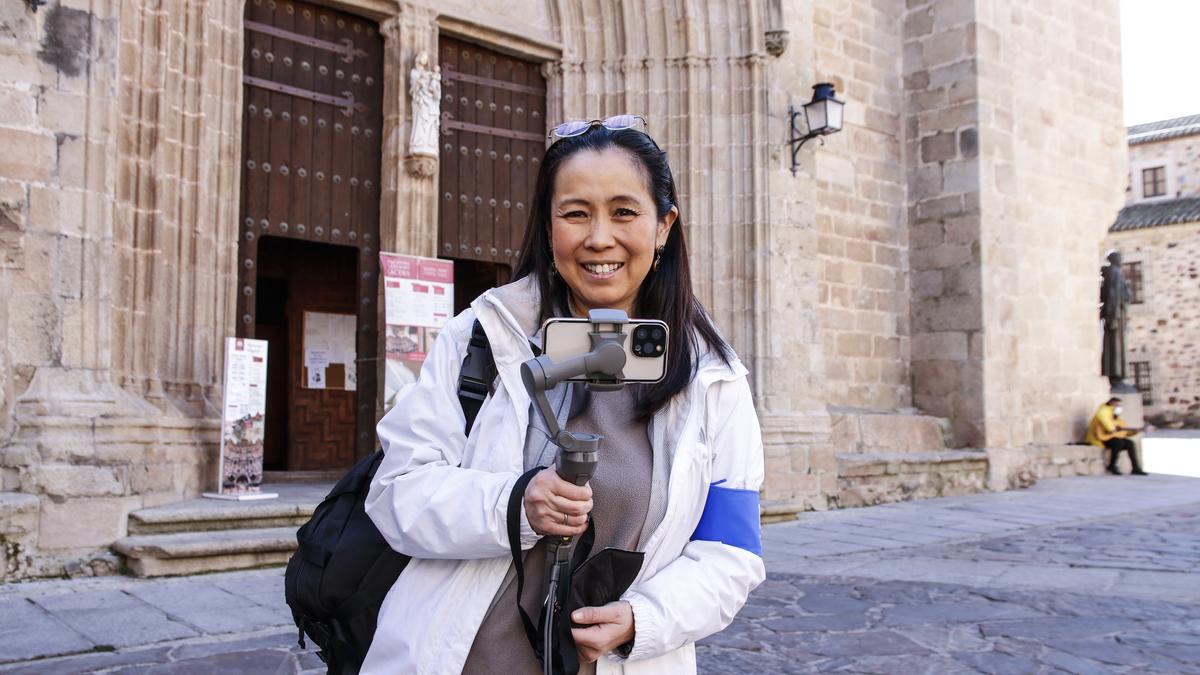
(421, 166)
(777, 42)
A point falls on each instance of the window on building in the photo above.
(1141, 380)
(1154, 181)
(1133, 277)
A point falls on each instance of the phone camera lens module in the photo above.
(658, 334)
(648, 347)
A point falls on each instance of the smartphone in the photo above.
(645, 348)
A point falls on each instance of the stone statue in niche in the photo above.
(1114, 299)
(425, 88)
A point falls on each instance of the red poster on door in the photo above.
(418, 298)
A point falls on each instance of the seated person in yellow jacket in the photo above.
(1108, 430)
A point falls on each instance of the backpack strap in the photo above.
(515, 499)
(477, 374)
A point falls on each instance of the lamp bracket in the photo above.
(797, 140)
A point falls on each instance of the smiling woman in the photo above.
(607, 198)
(605, 230)
(676, 490)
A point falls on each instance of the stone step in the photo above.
(156, 555)
(876, 478)
(859, 431)
(292, 508)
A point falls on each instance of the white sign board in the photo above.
(243, 420)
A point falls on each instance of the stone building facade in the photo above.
(923, 283)
(1158, 235)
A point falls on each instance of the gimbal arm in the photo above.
(603, 365)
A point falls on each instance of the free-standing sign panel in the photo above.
(418, 298)
(243, 420)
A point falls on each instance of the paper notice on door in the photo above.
(316, 358)
(316, 377)
(329, 351)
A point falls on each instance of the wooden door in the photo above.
(312, 125)
(493, 137)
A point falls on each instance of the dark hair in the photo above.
(666, 293)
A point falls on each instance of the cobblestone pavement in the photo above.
(797, 624)
(1080, 575)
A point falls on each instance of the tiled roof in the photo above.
(1156, 213)
(1163, 129)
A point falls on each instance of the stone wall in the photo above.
(1011, 163)
(942, 118)
(1165, 329)
(1051, 176)
(861, 220)
(111, 292)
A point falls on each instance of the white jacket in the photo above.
(443, 499)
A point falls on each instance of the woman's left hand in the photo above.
(608, 627)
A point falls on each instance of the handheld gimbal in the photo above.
(578, 453)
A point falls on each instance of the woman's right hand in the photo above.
(556, 507)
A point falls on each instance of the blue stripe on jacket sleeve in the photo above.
(730, 517)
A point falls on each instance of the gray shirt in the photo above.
(621, 490)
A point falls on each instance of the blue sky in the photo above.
(1160, 53)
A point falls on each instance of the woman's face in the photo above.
(604, 229)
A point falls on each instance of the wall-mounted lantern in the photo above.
(34, 4)
(823, 115)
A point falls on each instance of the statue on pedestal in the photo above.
(1114, 298)
(425, 88)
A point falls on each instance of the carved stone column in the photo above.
(408, 213)
(121, 418)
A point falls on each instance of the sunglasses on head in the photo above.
(614, 123)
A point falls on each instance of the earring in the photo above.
(553, 269)
(658, 257)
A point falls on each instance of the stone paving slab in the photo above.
(207, 609)
(114, 618)
(269, 652)
(60, 617)
(26, 629)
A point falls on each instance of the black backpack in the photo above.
(337, 579)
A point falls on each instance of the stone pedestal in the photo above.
(90, 452)
(800, 463)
